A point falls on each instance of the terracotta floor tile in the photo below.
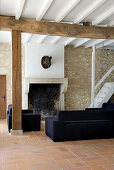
(24, 167)
(81, 168)
(98, 168)
(102, 162)
(77, 163)
(109, 167)
(63, 163)
(10, 167)
(57, 149)
(0, 165)
(46, 166)
(36, 151)
(93, 158)
(40, 156)
(59, 155)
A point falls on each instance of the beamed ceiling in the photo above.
(97, 12)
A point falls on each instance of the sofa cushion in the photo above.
(10, 111)
(108, 106)
(89, 130)
(87, 121)
(93, 109)
(9, 106)
(85, 115)
(31, 122)
(26, 111)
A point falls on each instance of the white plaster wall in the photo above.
(33, 54)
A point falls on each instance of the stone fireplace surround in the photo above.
(63, 88)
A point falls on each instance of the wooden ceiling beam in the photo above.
(91, 43)
(89, 10)
(111, 23)
(67, 42)
(65, 11)
(20, 5)
(106, 14)
(56, 29)
(42, 38)
(44, 9)
(81, 42)
(56, 39)
(105, 43)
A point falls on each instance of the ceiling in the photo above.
(98, 12)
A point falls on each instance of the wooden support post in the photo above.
(93, 77)
(16, 83)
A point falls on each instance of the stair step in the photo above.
(104, 94)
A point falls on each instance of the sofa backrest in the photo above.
(85, 115)
(108, 106)
(25, 111)
(10, 111)
(9, 106)
(93, 109)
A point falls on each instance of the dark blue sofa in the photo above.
(75, 125)
(30, 121)
(108, 106)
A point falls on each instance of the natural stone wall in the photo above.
(104, 60)
(78, 72)
(6, 68)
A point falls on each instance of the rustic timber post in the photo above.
(16, 83)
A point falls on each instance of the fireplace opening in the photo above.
(44, 99)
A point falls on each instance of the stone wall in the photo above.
(78, 72)
(6, 68)
(104, 60)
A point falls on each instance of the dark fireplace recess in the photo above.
(44, 99)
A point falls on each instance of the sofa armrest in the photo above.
(31, 122)
(7, 112)
(54, 129)
(25, 111)
(49, 125)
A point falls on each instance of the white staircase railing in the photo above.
(93, 87)
(104, 77)
(104, 94)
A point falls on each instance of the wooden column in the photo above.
(16, 83)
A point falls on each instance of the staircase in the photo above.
(103, 95)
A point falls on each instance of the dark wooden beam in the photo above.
(16, 81)
(56, 29)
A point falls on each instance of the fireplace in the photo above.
(44, 99)
(44, 87)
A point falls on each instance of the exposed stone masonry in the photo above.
(78, 72)
(6, 66)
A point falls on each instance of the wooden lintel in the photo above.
(16, 81)
(56, 29)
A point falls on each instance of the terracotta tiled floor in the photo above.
(35, 151)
